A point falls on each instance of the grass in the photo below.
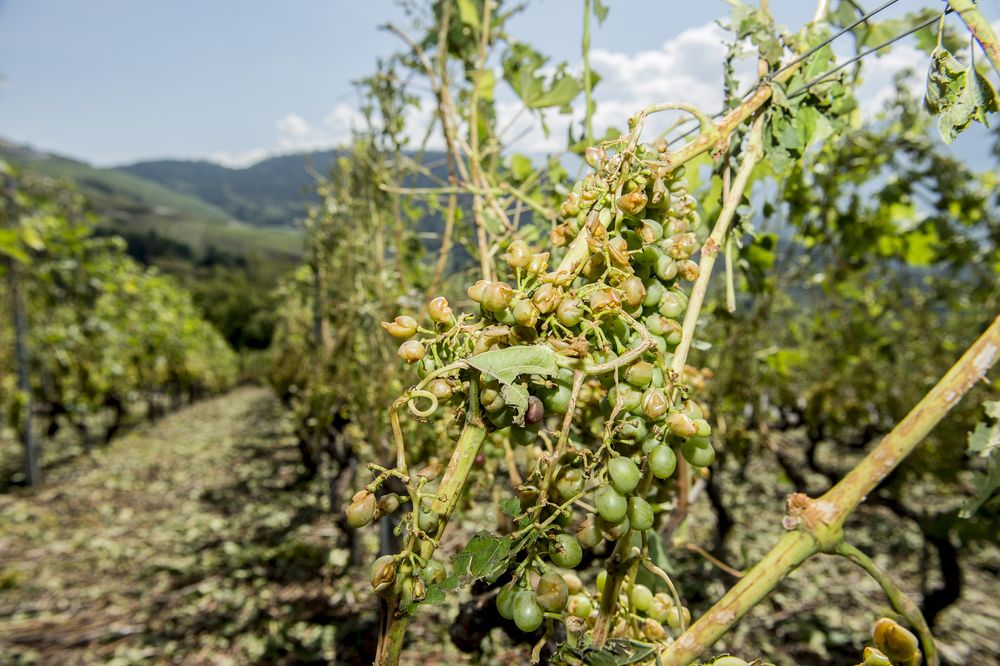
(190, 540)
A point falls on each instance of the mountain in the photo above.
(135, 207)
(274, 192)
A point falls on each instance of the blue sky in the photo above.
(113, 81)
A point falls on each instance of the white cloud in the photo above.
(238, 159)
(877, 85)
(296, 133)
(686, 68)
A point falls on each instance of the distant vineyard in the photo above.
(89, 337)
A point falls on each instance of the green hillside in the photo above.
(272, 193)
(230, 267)
(131, 205)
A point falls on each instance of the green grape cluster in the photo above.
(612, 313)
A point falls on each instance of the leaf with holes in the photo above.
(506, 365)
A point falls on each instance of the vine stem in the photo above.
(901, 603)
(816, 525)
(714, 243)
(980, 29)
(588, 112)
(394, 621)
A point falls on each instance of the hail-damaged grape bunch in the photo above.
(574, 367)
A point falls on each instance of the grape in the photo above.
(729, 660)
(557, 400)
(525, 313)
(639, 374)
(411, 351)
(650, 231)
(681, 425)
(535, 412)
(579, 606)
(692, 409)
(527, 613)
(439, 310)
(624, 474)
(569, 312)
(497, 296)
(673, 304)
(523, 436)
(401, 327)
(475, 292)
(518, 255)
(545, 298)
(552, 592)
(434, 572)
(630, 398)
(569, 482)
(654, 403)
(658, 609)
(617, 530)
(611, 506)
(640, 514)
(633, 291)
(698, 451)
(633, 429)
(641, 597)
(567, 552)
(665, 268)
(361, 511)
(505, 600)
(589, 534)
(894, 640)
(662, 461)
(654, 292)
(674, 617)
(573, 582)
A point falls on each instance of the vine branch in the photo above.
(816, 525)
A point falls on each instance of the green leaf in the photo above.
(921, 246)
(486, 556)
(506, 365)
(812, 126)
(600, 11)
(520, 68)
(487, 85)
(762, 253)
(957, 95)
(468, 13)
(31, 238)
(984, 440)
(10, 246)
(511, 506)
(492, 222)
(987, 487)
(520, 166)
(616, 652)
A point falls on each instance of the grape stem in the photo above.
(816, 525)
(980, 29)
(901, 603)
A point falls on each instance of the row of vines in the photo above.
(587, 358)
(90, 339)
